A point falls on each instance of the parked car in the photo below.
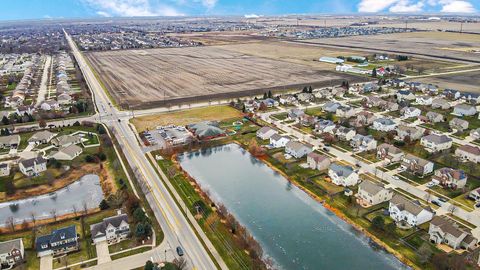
(477, 205)
(180, 251)
(442, 199)
(437, 203)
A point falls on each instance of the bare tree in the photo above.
(85, 208)
(53, 213)
(10, 224)
(74, 210)
(33, 218)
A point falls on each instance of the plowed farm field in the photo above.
(148, 78)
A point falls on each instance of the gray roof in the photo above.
(27, 163)
(98, 229)
(264, 130)
(448, 226)
(385, 121)
(464, 107)
(70, 150)
(405, 204)
(437, 138)
(420, 161)
(8, 246)
(296, 146)
(12, 139)
(55, 237)
(458, 121)
(277, 137)
(65, 139)
(341, 170)
(371, 187)
(390, 148)
(41, 135)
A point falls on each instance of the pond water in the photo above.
(86, 192)
(294, 230)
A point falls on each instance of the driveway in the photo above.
(103, 255)
(46, 262)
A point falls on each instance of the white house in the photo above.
(33, 166)
(265, 133)
(112, 229)
(424, 100)
(448, 177)
(468, 153)
(344, 133)
(40, 137)
(443, 230)
(435, 143)
(464, 110)
(403, 210)
(12, 253)
(278, 141)
(410, 112)
(297, 149)
(363, 143)
(50, 105)
(342, 175)
(384, 124)
(370, 193)
(416, 165)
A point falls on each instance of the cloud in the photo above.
(103, 14)
(209, 3)
(453, 6)
(457, 6)
(407, 6)
(251, 16)
(131, 8)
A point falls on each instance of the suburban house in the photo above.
(411, 213)
(12, 253)
(287, 99)
(424, 100)
(295, 114)
(416, 165)
(64, 99)
(451, 94)
(318, 162)
(464, 110)
(342, 175)
(384, 124)
(444, 230)
(331, 106)
(111, 229)
(389, 153)
(50, 105)
(434, 117)
(305, 97)
(475, 194)
(435, 143)
(363, 118)
(390, 106)
(344, 133)
(441, 103)
(363, 143)
(414, 133)
(374, 101)
(410, 112)
(33, 166)
(4, 169)
(468, 152)
(470, 97)
(66, 140)
(458, 124)
(11, 141)
(345, 111)
(307, 120)
(278, 141)
(449, 177)
(324, 125)
(41, 137)
(475, 133)
(60, 241)
(370, 193)
(297, 149)
(265, 133)
(405, 95)
(67, 153)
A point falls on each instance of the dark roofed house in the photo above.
(33, 166)
(112, 229)
(206, 130)
(60, 241)
(318, 162)
(449, 177)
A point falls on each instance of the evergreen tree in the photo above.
(270, 94)
(374, 72)
(5, 120)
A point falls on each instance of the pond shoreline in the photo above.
(318, 199)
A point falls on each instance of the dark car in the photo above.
(180, 251)
(477, 205)
(442, 199)
(326, 149)
(437, 203)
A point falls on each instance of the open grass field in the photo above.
(221, 38)
(462, 81)
(439, 44)
(149, 78)
(184, 117)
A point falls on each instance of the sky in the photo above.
(44, 9)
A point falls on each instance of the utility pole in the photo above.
(461, 27)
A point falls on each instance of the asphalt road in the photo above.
(175, 226)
